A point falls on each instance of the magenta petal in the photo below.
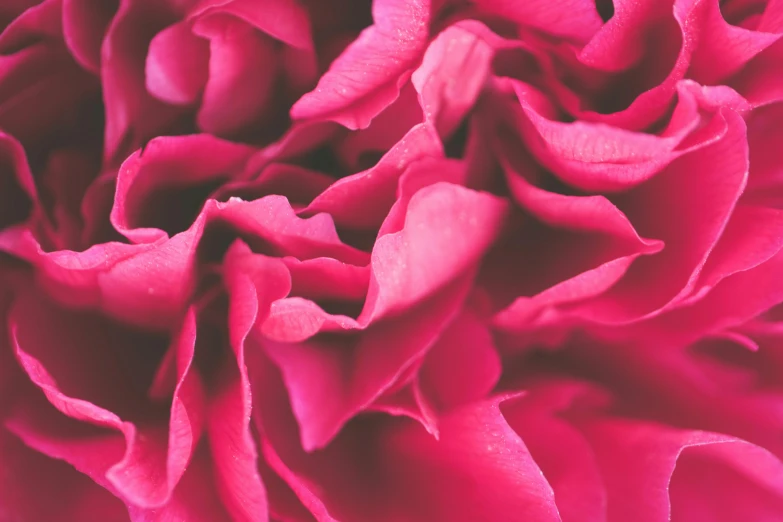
(463, 366)
(409, 401)
(295, 319)
(194, 498)
(700, 385)
(70, 496)
(638, 461)
(84, 26)
(362, 82)
(167, 272)
(233, 448)
(284, 20)
(423, 173)
(772, 18)
(89, 393)
(621, 43)
(243, 67)
(331, 380)
(720, 308)
(574, 20)
(385, 131)
(300, 186)
(177, 66)
(184, 431)
(298, 316)
(326, 278)
(760, 81)
(235, 457)
(42, 20)
(764, 138)
(725, 481)
(724, 48)
(162, 189)
(16, 183)
(459, 51)
(593, 214)
(91, 451)
(597, 157)
(752, 236)
(11, 375)
(697, 212)
(362, 200)
(132, 114)
(566, 459)
(440, 238)
(435, 479)
(107, 396)
(40, 87)
(528, 313)
(274, 221)
(390, 469)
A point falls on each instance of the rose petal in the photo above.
(16, 183)
(760, 81)
(84, 26)
(71, 497)
(463, 366)
(332, 380)
(242, 71)
(162, 189)
(460, 51)
(363, 199)
(104, 395)
(688, 229)
(391, 469)
(132, 114)
(575, 20)
(38, 21)
(735, 46)
(284, 20)
(460, 241)
(566, 459)
(233, 449)
(177, 65)
(362, 82)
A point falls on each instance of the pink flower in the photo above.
(400, 260)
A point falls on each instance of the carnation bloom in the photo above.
(399, 260)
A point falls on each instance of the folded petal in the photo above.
(243, 70)
(16, 183)
(71, 497)
(177, 66)
(459, 51)
(133, 116)
(441, 238)
(639, 462)
(760, 81)
(84, 26)
(362, 82)
(162, 189)
(463, 366)
(362, 200)
(697, 213)
(332, 379)
(384, 468)
(575, 20)
(109, 392)
(233, 449)
(734, 45)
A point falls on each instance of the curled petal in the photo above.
(362, 81)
